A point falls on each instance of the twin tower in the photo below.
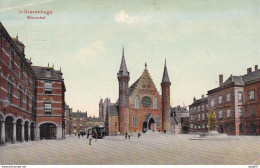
(126, 113)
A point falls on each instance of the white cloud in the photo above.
(86, 53)
(123, 17)
(25, 5)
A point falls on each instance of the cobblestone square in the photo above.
(150, 148)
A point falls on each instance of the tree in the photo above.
(212, 120)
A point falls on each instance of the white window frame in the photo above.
(220, 100)
(228, 97)
(137, 102)
(228, 113)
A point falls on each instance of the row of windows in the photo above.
(203, 126)
(220, 100)
(199, 108)
(220, 114)
(199, 116)
(240, 112)
(20, 97)
(20, 63)
(251, 96)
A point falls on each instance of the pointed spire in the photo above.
(123, 51)
(145, 66)
(17, 36)
(60, 68)
(123, 69)
(165, 74)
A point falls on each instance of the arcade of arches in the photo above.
(18, 130)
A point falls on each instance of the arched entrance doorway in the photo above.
(252, 129)
(26, 133)
(151, 124)
(48, 131)
(32, 131)
(19, 123)
(9, 129)
(220, 129)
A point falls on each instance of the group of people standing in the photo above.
(90, 134)
(129, 135)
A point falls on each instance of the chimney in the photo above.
(249, 70)
(77, 111)
(194, 99)
(220, 79)
(256, 67)
(202, 96)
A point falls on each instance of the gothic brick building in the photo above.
(140, 106)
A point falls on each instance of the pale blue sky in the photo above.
(200, 40)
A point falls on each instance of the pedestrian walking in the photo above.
(90, 139)
(129, 136)
(78, 135)
(139, 134)
(87, 134)
(125, 135)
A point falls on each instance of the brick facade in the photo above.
(236, 104)
(17, 86)
(139, 107)
(21, 98)
(199, 115)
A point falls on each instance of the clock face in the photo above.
(146, 101)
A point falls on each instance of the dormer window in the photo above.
(48, 73)
(48, 88)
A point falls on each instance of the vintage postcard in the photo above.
(152, 82)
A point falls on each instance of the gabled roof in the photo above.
(41, 72)
(76, 114)
(198, 101)
(132, 87)
(179, 109)
(237, 79)
(146, 81)
(243, 79)
(113, 110)
(93, 119)
(251, 76)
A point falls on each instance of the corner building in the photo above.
(50, 112)
(24, 95)
(140, 106)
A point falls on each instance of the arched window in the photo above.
(155, 103)
(137, 102)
